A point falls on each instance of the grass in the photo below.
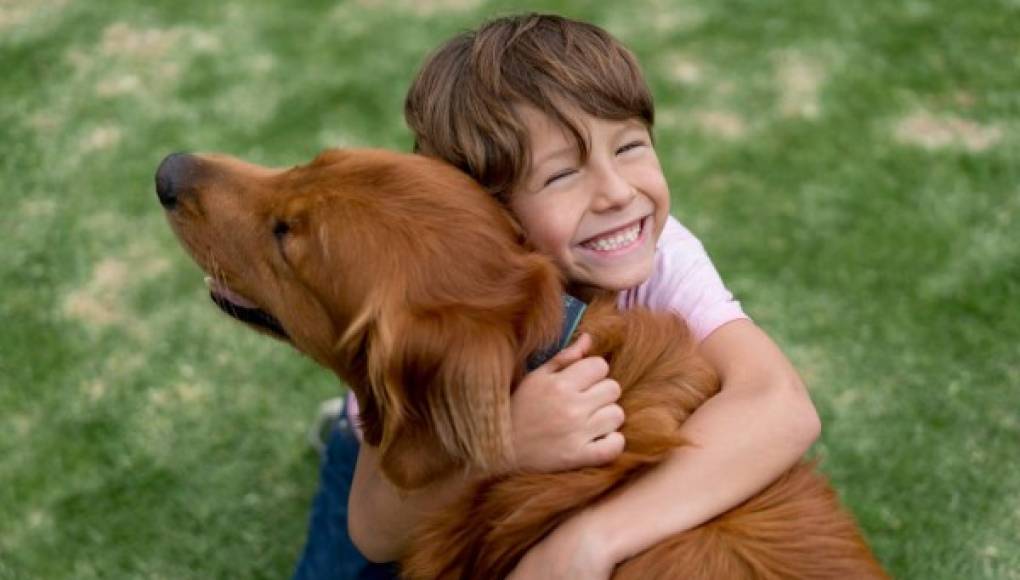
(851, 166)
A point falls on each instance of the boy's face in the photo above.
(598, 219)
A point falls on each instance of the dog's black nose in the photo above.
(173, 177)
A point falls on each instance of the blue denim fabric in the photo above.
(329, 552)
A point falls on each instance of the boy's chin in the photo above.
(615, 281)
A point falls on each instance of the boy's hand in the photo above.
(564, 413)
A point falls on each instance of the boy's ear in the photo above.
(442, 379)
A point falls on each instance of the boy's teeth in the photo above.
(615, 241)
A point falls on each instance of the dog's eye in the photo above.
(280, 229)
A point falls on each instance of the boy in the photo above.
(553, 117)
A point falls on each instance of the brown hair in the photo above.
(461, 106)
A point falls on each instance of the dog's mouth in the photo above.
(243, 309)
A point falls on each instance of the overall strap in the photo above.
(573, 310)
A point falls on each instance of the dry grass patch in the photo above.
(683, 69)
(933, 132)
(722, 124)
(799, 80)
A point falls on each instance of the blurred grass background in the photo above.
(852, 167)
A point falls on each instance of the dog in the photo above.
(401, 275)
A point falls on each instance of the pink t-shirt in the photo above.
(683, 281)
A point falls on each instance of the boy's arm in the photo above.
(758, 426)
(381, 517)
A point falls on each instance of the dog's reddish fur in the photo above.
(402, 276)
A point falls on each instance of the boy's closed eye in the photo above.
(630, 146)
(564, 173)
(558, 176)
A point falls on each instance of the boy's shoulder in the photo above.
(676, 250)
(685, 281)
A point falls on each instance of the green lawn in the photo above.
(853, 167)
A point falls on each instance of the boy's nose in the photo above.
(614, 191)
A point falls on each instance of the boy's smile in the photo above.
(599, 218)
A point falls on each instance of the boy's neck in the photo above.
(586, 293)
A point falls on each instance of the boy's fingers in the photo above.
(606, 420)
(571, 354)
(602, 393)
(605, 449)
(585, 373)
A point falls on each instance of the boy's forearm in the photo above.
(381, 517)
(743, 440)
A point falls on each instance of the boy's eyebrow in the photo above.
(629, 125)
(568, 149)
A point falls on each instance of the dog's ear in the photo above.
(414, 459)
(442, 378)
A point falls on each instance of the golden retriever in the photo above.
(401, 275)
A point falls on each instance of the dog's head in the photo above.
(397, 272)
